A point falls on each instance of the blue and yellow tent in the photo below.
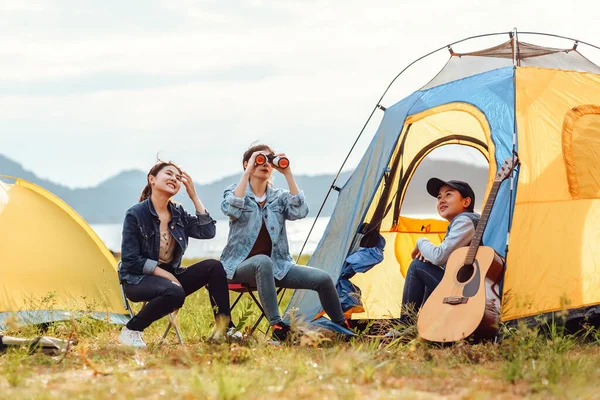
(541, 102)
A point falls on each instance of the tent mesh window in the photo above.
(581, 151)
(462, 65)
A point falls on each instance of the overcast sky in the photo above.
(91, 88)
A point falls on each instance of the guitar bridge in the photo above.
(454, 300)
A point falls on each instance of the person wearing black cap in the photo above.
(455, 202)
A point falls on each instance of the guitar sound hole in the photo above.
(465, 273)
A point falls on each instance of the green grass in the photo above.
(529, 363)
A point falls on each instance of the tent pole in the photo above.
(515, 47)
(514, 138)
(560, 37)
(379, 106)
(511, 199)
(513, 35)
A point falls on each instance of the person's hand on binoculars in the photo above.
(283, 171)
(251, 167)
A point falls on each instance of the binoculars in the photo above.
(278, 161)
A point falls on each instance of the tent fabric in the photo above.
(462, 65)
(553, 215)
(54, 266)
(453, 123)
(492, 93)
(579, 139)
(555, 240)
(325, 323)
(410, 230)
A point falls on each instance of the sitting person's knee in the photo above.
(416, 264)
(216, 267)
(263, 263)
(323, 280)
(176, 296)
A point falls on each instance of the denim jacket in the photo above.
(141, 238)
(245, 221)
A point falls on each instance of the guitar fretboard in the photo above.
(485, 215)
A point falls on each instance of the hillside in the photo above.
(108, 201)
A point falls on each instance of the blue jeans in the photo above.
(421, 279)
(258, 271)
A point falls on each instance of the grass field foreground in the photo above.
(528, 363)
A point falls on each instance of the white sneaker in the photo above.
(234, 335)
(131, 338)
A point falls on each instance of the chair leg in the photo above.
(162, 339)
(262, 315)
(172, 319)
(282, 294)
(179, 339)
(236, 301)
(126, 301)
(175, 323)
(172, 323)
(262, 311)
(257, 302)
(233, 306)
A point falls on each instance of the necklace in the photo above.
(261, 198)
(167, 240)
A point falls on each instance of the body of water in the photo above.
(297, 232)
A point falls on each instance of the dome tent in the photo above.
(54, 266)
(540, 102)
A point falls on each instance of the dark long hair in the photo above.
(147, 191)
(252, 149)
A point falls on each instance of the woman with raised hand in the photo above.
(257, 251)
(155, 236)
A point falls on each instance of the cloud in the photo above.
(89, 88)
(129, 80)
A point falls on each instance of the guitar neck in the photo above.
(476, 241)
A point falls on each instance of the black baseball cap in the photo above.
(435, 184)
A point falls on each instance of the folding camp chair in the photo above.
(172, 316)
(241, 289)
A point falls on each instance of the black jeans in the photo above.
(421, 279)
(163, 296)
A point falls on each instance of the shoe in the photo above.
(392, 334)
(131, 338)
(281, 330)
(274, 343)
(344, 324)
(234, 335)
(343, 336)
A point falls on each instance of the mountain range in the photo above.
(108, 201)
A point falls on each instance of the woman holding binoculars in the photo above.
(257, 251)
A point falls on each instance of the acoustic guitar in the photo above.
(466, 301)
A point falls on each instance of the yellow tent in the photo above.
(540, 102)
(54, 266)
